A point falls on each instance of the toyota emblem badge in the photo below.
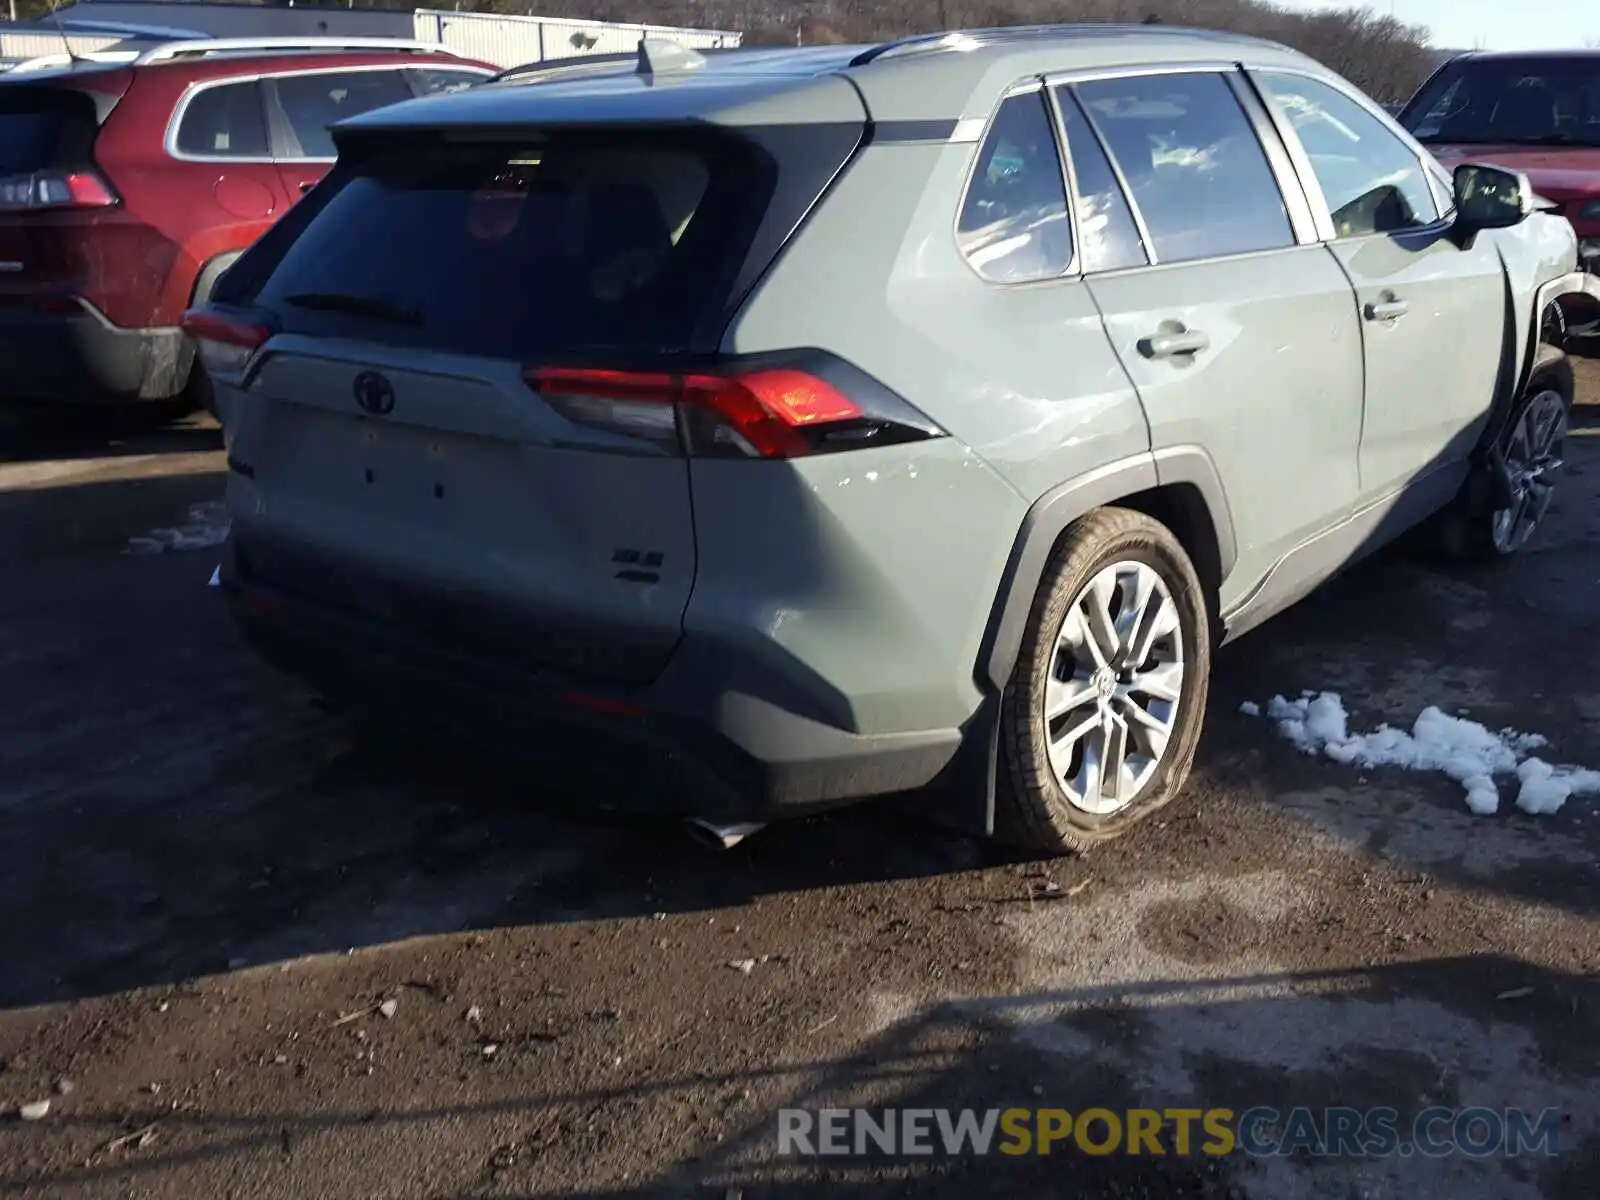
(374, 393)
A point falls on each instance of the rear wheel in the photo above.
(197, 392)
(1103, 713)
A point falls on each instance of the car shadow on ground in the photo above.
(55, 435)
(1372, 1038)
(174, 809)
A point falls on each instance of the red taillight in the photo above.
(224, 344)
(55, 189)
(761, 413)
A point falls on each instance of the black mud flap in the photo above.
(962, 797)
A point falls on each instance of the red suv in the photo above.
(1537, 113)
(126, 186)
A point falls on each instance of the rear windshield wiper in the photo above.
(361, 306)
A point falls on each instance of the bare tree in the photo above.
(1386, 57)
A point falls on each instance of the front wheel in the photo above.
(1103, 714)
(1530, 459)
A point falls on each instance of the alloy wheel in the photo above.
(1116, 679)
(1532, 462)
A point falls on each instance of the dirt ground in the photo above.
(208, 885)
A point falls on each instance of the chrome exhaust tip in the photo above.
(722, 837)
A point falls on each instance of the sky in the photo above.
(1496, 24)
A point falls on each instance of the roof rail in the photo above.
(199, 47)
(974, 39)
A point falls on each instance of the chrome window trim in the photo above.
(169, 142)
(968, 129)
(1180, 264)
(1308, 176)
(1033, 85)
(1207, 66)
(1151, 257)
(1069, 185)
(1227, 70)
(1302, 216)
(1074, 195)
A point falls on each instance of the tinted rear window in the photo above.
(520, 250)
(44, 127)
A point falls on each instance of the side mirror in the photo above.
(1490, 198)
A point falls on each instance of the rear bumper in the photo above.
(80, 358)
(693, 742)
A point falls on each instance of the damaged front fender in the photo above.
(1570, 306)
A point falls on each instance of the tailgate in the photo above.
(391, 455)
(468, 512)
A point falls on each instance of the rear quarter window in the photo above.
(522, 249)
(224, 121)
(1013, 226)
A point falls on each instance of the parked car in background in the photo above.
(701, 437)
(1537, 113)
(130, 181)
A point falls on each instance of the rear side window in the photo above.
(1013, 226)
(1107, 234)
(578, 242)
(1196, 171)
(433, 80)
(1372, 181)
(225, 121)
(45, 127)
(311, 103)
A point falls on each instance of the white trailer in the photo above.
(510, 41)
(507, 41)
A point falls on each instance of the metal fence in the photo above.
(509, 41)
(19, 45)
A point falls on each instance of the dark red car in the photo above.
(126, 186)
(1537, 113)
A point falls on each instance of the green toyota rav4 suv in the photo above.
(787, 426)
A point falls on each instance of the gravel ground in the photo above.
(208, 886)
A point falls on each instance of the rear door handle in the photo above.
(1173, 344)
(1386, 310)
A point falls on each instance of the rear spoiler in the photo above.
(551, 69)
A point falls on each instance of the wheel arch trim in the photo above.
(205, 280)
(1052, 513)
(1548, 294)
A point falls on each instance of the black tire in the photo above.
(1465, 529)
(198, 394)
(1033, 810)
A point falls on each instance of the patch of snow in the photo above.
(1463, 750)
(207, 526)
(216, 577)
